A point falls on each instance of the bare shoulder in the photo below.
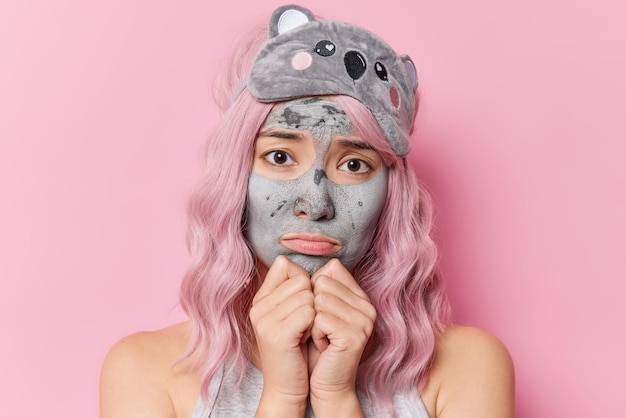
(472, 376)
(142, 376)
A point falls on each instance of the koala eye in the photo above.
(381, 71)
(325, 48)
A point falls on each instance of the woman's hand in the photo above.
(344, 319)
(282, 315)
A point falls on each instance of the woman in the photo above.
(312, 287)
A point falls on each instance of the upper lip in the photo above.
(311, 237)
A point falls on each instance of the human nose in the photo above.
(315, 202)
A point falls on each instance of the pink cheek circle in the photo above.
(301, 61)
(394, 97)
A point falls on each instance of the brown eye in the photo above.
(278, 158)
(355, 166)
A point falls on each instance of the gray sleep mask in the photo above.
(309, 57)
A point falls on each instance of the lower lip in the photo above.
(308, 247)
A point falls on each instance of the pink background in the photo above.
(104, 107)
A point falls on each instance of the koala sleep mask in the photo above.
(309, 57)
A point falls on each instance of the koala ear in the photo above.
(411, 73)
(287, 18)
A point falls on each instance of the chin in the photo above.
(310, 263)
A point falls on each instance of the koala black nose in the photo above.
(355, 64)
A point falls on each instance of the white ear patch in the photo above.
(291, 19)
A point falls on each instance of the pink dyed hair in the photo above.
(398, 273)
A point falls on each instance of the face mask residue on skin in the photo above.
(348, 213)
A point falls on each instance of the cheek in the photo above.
(373, 199)
(365, 203)
(266, 208)
(369, 210)
(359, 213)
(269, 201)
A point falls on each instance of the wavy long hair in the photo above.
(399, 272)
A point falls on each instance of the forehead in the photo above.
(309, 113)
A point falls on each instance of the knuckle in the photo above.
(309, 298)
(322, 283)
(261, 327)
(321, 300)
(280, 263)
(370, 312)
(363, 337)
(363, 324)
(302, 281)
(320, 318)
(368, 328)
(334, 264)
(257, 298)
(254, 314)
(305, 298)
(308, 311)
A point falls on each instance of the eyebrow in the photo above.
(298, 136)
(273, 133)
(356, 144)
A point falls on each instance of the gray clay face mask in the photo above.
(310, 219)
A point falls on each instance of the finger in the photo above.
(280, 271)
(337, 271)
(336, 318)
(325, 286)
(339, 334)
(292, 329)
(353, 310)
(306, 334)
(287, 332)
(320, 341)
(283, 310)
(286, 292)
